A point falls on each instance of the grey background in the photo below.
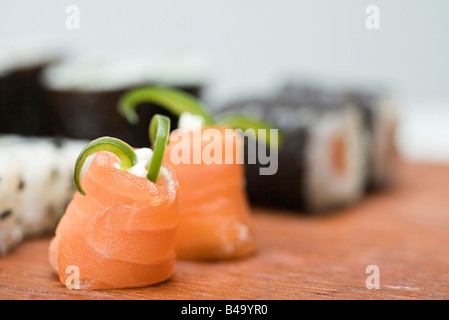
(258, 43)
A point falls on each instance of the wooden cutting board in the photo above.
(404, 231)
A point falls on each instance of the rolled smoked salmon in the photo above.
(122, 232)
(214, 216)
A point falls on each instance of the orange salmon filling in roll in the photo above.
(214, 215)
(122, 233)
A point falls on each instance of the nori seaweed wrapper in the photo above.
(284, 189)
(24, 109)
(85, 114)
(5, 102)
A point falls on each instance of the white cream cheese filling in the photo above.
(190, 121)
(140, 169)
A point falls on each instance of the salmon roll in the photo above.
(119, 230)
(214, 220)
(214, 214)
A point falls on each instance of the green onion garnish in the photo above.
(159, 131)
(243, 122)
(175, 101)
(121, 149)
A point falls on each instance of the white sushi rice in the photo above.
(21, 56)
(91, 73)
(36, 184)
(383, 142)
(325, 187)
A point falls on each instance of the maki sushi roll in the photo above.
(321, 163)
(82, 91)
(23, 106)
(35, 185)
(381, 122)
(120, 228)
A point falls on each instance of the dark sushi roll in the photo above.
(321, 162)
(23, 106)
(84, 93)
(381, 122)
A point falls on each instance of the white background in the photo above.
(258, 43)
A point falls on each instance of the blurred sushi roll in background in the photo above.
(336, 145)
(84, 92)
(381, 124)
(322, 163)
(23, 106)
(36, 185)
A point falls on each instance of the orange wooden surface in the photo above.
(404, 231)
